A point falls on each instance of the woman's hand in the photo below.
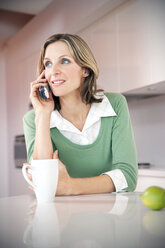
(64, 186)
(64, 180)
(29, 175)
(38, 103)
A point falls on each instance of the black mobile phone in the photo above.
(44, 91)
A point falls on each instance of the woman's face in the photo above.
(63, 74)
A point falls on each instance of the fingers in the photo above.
(26, 164)
(29, 171)
(29, 176)
(36, 99)
(31, 188)
(42, 75)
(41, 81)
(35, 86)
(55, 154)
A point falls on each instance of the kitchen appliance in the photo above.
(144, 165)
(20, 155)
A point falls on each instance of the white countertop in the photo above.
(86, 221)
(152, 172)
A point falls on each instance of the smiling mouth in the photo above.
(58, 82)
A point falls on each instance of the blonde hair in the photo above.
(84, 58)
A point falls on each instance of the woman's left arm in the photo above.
(77, 186)
(124, 156)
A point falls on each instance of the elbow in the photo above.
(131, 177)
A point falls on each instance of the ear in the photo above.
(85, 72)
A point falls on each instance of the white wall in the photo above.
(148, 121)
(3, 128)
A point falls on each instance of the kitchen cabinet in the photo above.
(150, 177)
(102, 39)
(141, 39)
(157, 37)
(128, 44)
(133, 39)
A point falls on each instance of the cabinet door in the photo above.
(102, 38)
(146, 181)
(128, 45)
(141, 39)
(156, 23)
(133, 49)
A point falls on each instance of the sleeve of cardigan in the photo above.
(124, 155)
(29, 132)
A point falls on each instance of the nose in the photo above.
(56, 69)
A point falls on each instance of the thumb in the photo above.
(55, 154)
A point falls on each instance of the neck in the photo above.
(74, 110)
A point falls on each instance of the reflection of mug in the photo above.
(44, 178)
(43, 231)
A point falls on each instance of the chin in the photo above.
(59, 94)
(65, 92)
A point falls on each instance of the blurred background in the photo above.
(127, 38)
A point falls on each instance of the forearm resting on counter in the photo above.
(92, 185)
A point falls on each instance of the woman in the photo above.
(88, 131)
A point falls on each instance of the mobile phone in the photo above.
(44, 91)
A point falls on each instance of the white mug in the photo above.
(44, 178)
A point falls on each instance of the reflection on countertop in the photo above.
(99, 220)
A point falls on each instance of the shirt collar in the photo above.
(97, 110)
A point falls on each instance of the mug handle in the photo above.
(24, 172)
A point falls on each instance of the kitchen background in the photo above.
(127, 38)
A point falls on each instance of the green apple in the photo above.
(154, 197)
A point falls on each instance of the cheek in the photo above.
(76, 72)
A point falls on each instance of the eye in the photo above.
(48, 64)
(65, 61)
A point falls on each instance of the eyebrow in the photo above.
(60, 57)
